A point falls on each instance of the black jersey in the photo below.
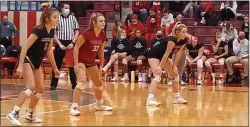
(159, 49)
(193, 51)
(155, 42)
(221, 49)
(138, 47)
(39, 48)
(120, 45)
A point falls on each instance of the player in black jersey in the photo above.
(159, 57)
(220, 49)
(194, 53)
(38, 45)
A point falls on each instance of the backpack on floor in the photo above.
(236, 79)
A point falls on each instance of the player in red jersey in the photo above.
(90, 44)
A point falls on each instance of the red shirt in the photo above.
(157, 6)
(139, 26)
(88, 51)
(207, 5)
(138, 5)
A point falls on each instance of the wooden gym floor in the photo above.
(208, 106)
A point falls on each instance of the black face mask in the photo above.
(159, 36)
(5, 22)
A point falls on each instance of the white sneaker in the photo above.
(195, 24)
(220, 81)
(125, 78)
(179, 100)
(144, 77)
(203, 22)
(199, 82)
(169, 82)
(103, 107)
(213, 78)
(29, 118)
(13, 117)
(114, 79)
(140, 79)
(152, 102)
(74, 112)
(183, 83)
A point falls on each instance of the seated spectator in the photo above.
(220, 50)
(155, 15)
(190, 8)
(118, 25)
(150, 29)
(203, 11)
(245, 27)
(138, 50)
(229, 33)
(194, 53)
(128, 19)
(12, 51)
(227, 12)
(136, 24)
(120, 48)
(176, 5)
(140, 8)
(240, 48)
(157, 6)
(167, 18)
(177, 18)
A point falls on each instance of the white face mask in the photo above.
(123, 37)
(66, 11)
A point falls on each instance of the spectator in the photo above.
(138, 50)
(194, 53)
(150, 30)
(8, 31)
(245, 27)
(227, 12)
(156, 5)
(203, 11)
(118, 25)
(220, 49)
(175, 5)
(240, 49)
(120, 48)
(157, 16)
(66, 34)
(128, 19)
(12, 51)
(177, 18)
(140, 8)
(167, 18)
(190, 8)
(229, 33)
(135, 25)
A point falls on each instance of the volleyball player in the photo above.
(159, 57)
(38, 45)
(90, 44)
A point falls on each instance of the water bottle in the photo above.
(184, 77)
(132, 76)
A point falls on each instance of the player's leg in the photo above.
(94, 74)
(29, 82)
(81, 84)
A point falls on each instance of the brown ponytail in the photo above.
(47, 12)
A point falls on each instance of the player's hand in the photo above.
(19, 71)
(62, 47)
(57, 73)
(216, 57)
(158, 70)
(70, 46)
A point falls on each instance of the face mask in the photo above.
(123, 37)
(152, 22)
(66, 11)
(159, 36)
(5, 22)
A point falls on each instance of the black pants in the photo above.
(197, 13)
(6, 42)
(227, 14)
(59, 56)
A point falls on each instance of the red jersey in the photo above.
(88, 51)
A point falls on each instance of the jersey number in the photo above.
(95, 48)
(46, 46)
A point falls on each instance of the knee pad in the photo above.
(199, 63)
(139, 62)
(100, 88)
(157, 79)
(27, 91)
(124, 61)
(207, 63)
(80, 85)
(221, 62)
(38, 95)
